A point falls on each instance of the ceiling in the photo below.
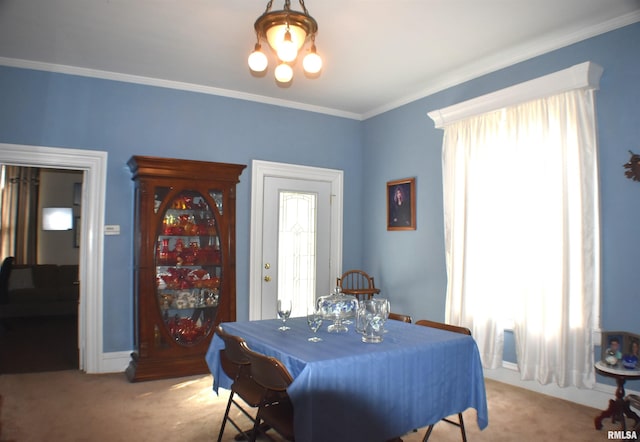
(378, 54)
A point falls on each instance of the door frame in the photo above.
(260, 171)
(93, 163)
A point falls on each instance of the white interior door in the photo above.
(296, 236)
(295, 243)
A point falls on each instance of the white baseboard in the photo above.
(115, 362)
(597, 398)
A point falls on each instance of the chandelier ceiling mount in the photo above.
(286, 31)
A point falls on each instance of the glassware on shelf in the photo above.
(188, 294)
(337, 307)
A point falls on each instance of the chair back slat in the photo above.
(400, 317)
(358, 283)
(443, 326)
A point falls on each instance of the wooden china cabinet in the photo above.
(184, 262)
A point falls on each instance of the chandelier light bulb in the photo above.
(258, 60)
(285, 32)
(284, 73)
(287, 49)
(312, 62)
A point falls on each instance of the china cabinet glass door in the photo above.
(188, 265)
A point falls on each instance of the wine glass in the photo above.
(314, 319)
(284, 311)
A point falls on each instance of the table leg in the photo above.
(609, 412)
(618, 408)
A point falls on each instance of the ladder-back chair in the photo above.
(358, 283)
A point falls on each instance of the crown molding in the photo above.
(156, 82)
(466, 73)
(505, 59)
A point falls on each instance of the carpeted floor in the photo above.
(38, 344)
(72, 406)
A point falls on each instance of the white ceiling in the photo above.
(378, 54)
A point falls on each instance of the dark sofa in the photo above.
(38, 290)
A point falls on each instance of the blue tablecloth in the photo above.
(346, 390)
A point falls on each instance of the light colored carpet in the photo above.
(72, 406)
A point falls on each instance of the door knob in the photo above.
(267, 266)
(267, 278)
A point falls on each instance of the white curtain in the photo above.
(521, 232)
(18, 213)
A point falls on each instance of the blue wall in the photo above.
(404, 143)
(39, 108)
(409, 265)
(123, 119)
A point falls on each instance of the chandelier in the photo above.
(286, 31)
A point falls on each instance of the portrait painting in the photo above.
(401, 204)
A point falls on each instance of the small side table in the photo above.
(620, 407)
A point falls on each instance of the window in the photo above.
(521, 223)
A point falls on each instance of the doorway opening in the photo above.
(39, 311)
(91, 232)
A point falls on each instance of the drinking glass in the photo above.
(385, 309)
(314, 319)
(360, 317)
(284, 311)
(374, 317)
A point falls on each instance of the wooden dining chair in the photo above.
(236, 365)
(455, 329)
(275, 409)
(400, 317)
(358, 283)
(443, 326)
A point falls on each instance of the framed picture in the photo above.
(612, 342)
(76, 232)
(619, 344)
(401, 204)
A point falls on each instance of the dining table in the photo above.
(344, 389)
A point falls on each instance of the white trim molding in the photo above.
(597, 398)
(581, 76)
(94, 165)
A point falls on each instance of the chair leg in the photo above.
(464, 434)
(256, 429)
(426, 436)
(226, 415)
(461, 425)
(242, 434)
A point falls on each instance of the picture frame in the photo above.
(76, 232)
(628, 343)
(401, 204)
